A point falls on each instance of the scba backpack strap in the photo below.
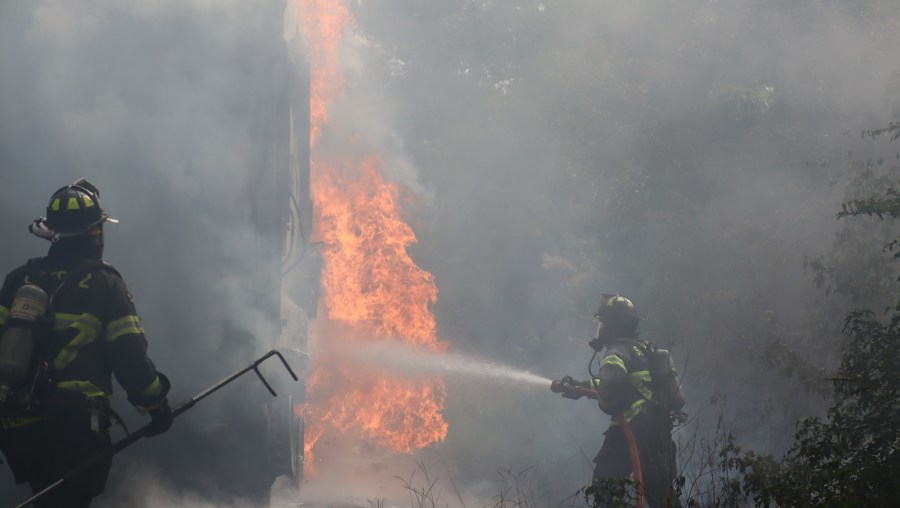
(53, 286)
(27, 394)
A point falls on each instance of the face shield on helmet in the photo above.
(599, 331)
(73, 212)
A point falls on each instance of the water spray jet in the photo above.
(401, 356)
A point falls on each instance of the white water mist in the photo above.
(396, 355)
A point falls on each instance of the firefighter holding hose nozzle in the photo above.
(637, 384)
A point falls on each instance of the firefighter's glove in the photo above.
(597, 344)
(161, 419)
(568, 382)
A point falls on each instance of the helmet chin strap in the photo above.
(94, 237)
(40, 229)
(98, 240)
(597, 344)
(88, 243)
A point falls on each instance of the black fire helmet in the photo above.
(73, 212)
(618, 314)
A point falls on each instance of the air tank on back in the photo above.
(17, 344)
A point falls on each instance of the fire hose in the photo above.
(559, 387)
(142, 432)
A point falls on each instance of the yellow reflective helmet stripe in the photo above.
(86, 388)
(73, 204)
(88, 327)
(123, 326)
(88, 202)
(4, 313)
(613, 360)
(54, 205)
(153, 388)
(620, 299)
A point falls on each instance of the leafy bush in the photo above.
(850, 458)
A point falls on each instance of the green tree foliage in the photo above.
(851, 457)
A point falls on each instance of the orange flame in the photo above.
(369, 278)
(324, 23)
(371, 286)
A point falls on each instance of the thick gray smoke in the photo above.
(688, 154)
(163, 106)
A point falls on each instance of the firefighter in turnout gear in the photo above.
(68, 324)
(631, 381)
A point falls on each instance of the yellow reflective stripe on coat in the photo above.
(88, 328)
(153, 388)
(631, 413)
(14, 422)
(88, 389)
(635, 409)
(613, 360)
(123, 326)
(4, 313)
(640, 380)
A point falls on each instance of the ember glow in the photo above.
(372, 289)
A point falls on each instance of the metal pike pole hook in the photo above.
(142, 432)
(560, 387)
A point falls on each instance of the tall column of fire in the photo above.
(371, 287)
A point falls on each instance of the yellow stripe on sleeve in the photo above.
(123, 326)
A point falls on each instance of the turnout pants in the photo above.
(41, 452)
(657, 453)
